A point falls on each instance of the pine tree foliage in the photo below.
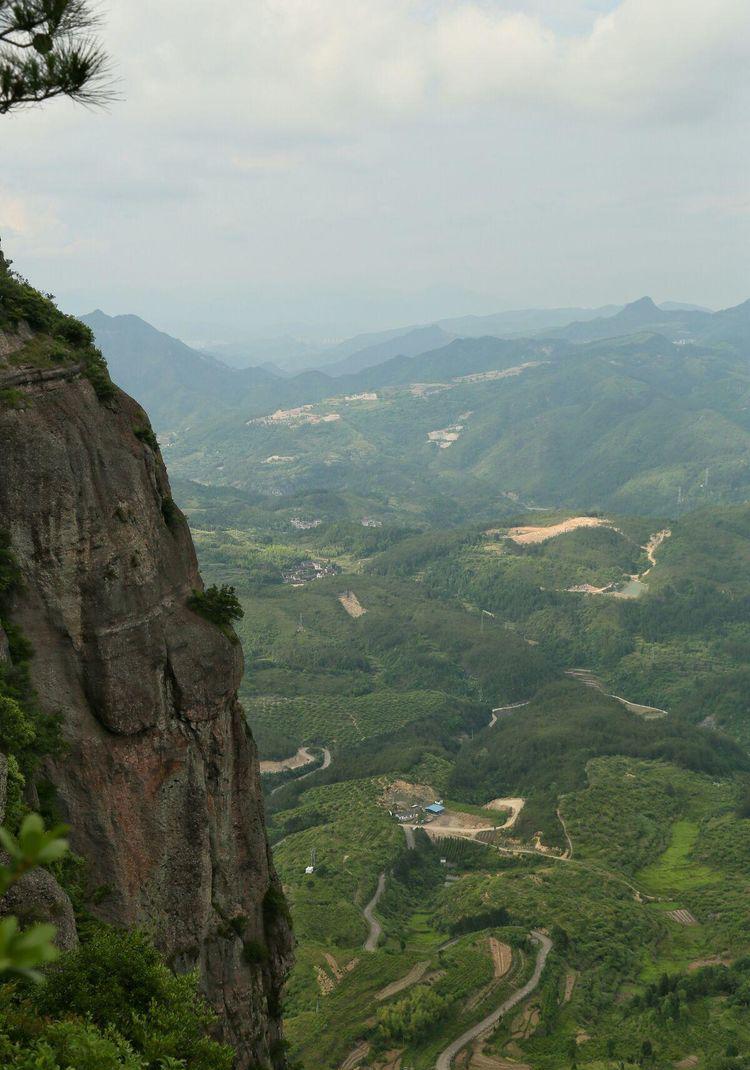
(48, 48)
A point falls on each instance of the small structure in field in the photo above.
(409, 815)
(435, 809)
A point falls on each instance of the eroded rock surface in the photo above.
(160, 782)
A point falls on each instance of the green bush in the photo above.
(411, 1018)
(220, 605)
(254, 952)
(146, 434)
(21, 303)
(275, 906)
(117, 981)
(64, 1045)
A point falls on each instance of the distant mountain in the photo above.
(730, 325)
(177, 384)
(522, 321)
(164, 374)
(678, 306)
(683, 324)
(631, 423)
(416, 341)
(367, 350)
(286, 353)
(462, 356)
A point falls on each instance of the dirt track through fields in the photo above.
(416, 973)
(502, 957)
(585, 676)
(355, 1058)
(561, 819)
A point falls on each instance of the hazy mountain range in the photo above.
(628, 410)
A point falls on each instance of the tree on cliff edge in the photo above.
(48, 49)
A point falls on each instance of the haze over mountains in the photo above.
(294, 352)
(644, 409)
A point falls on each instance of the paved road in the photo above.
(409, 833)
(446, 1057)
(376, 928)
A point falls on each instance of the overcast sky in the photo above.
(349, 164)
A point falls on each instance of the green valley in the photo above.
(627, 849)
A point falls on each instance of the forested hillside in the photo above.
(448, 663)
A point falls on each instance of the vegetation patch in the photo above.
(677, 870)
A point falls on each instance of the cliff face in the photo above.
(160, 780)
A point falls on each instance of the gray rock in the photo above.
(39, 897)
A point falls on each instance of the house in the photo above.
(435, 809)
(411, 814)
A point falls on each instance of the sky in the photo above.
(321, 167)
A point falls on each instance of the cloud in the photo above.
(537, 151)
(326, 64)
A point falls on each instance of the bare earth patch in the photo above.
(302, 757)
(515, 805)
(352, 604)
(480, 1061)
(528, 535)
(403, 794)
(502, 957)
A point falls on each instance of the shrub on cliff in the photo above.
(220, 605)
(58, 338)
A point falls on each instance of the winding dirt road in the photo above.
(324, 765)
(590, 679)
(560, 818)
(504, 711)
(371, 943)
(447, 1056)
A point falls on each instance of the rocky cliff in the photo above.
(159, 781)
